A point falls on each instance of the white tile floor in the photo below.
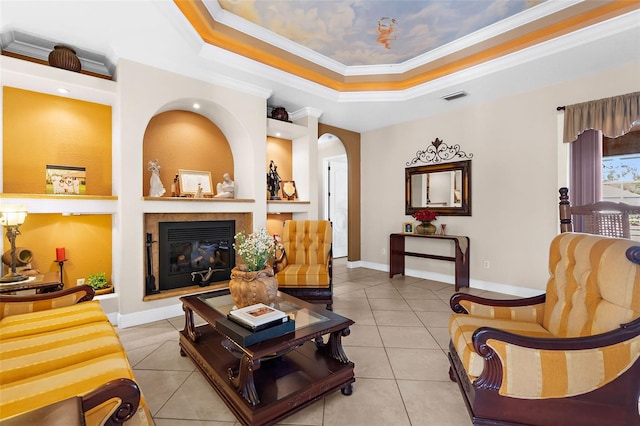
(398, 344)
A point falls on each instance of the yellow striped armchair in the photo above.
(303, 268)
(569, 356)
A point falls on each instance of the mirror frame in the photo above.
(464, 166)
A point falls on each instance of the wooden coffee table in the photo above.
(268, 381)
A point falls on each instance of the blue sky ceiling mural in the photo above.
(371, 32)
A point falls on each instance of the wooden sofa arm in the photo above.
(456, 299)
(86, 289)
(505, 347)
(126, 390)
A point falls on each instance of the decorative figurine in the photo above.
(157, 189)
(226, 188)
(199, 191)
(273, 181)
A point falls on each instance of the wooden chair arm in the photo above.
(506, 303)
(124, 389)
(625, 332)
(87, 289)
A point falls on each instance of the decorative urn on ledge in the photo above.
(64, 57)
(279, 113)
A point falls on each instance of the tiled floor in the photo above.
(398, 345)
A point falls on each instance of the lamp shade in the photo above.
(12, 215)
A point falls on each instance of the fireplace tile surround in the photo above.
(243, 222)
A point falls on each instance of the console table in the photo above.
(397, 253)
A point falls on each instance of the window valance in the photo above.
(614, 116)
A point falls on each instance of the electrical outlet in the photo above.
(486, 264)
(384, 251)
(80, 281)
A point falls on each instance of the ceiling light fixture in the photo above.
(455, 95)
(196, 105)
(64, 90)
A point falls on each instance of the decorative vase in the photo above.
(251, 287)
(279, 113)
(105, 290)
(426, 228)
(64, 57)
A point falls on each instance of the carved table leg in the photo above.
(242, 380)
(333, 347)
(189, 326)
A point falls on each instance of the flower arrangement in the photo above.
(425, 215)
(256, 249)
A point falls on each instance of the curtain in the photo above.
(614, 116)
(585, 178)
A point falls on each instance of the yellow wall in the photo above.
(40, 129)
(86, 239)
(185, 140)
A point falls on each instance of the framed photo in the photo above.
(68, 180)
(289, 191)
(407, 228)
(190, 179)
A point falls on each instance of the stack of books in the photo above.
(256, 323)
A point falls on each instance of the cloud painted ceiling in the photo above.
(370, 32)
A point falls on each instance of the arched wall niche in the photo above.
(208, 139)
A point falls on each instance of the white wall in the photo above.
(515, 176)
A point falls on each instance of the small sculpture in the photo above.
(273, 181)
(199, 191)
(226, 188)
(156, 189)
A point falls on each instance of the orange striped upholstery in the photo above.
(592, 289)
(307, 247)
(53, 354)
(531, 373)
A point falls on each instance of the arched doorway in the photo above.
(333, 166)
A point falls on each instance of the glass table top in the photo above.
(303, 317)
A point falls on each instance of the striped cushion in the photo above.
(593, 288)
(304, 276)
(534, 374)
(44, 389)
(28, 356)
(51, 320)
(462, 327)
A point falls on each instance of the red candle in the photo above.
(60, 255)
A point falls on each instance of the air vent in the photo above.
(455, 95)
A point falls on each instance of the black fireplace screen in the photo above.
(195, 253)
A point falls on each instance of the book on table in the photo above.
(258, 317)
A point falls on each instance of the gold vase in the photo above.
(426, 228)
(251, 287)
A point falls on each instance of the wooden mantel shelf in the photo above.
(217, 200)
(59, 196)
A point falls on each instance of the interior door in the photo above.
(336, 203)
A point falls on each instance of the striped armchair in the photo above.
(570, 356)
(303, 268)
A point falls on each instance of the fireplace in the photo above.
(195, 252)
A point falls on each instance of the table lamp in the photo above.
(11, 218)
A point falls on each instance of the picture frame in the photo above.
(289, 191)
(189, 180)
(407, 227)
(65, 180)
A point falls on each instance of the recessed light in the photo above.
(64, 90)
(196, 106)
(278, 134)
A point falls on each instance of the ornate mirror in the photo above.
(444, 188)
